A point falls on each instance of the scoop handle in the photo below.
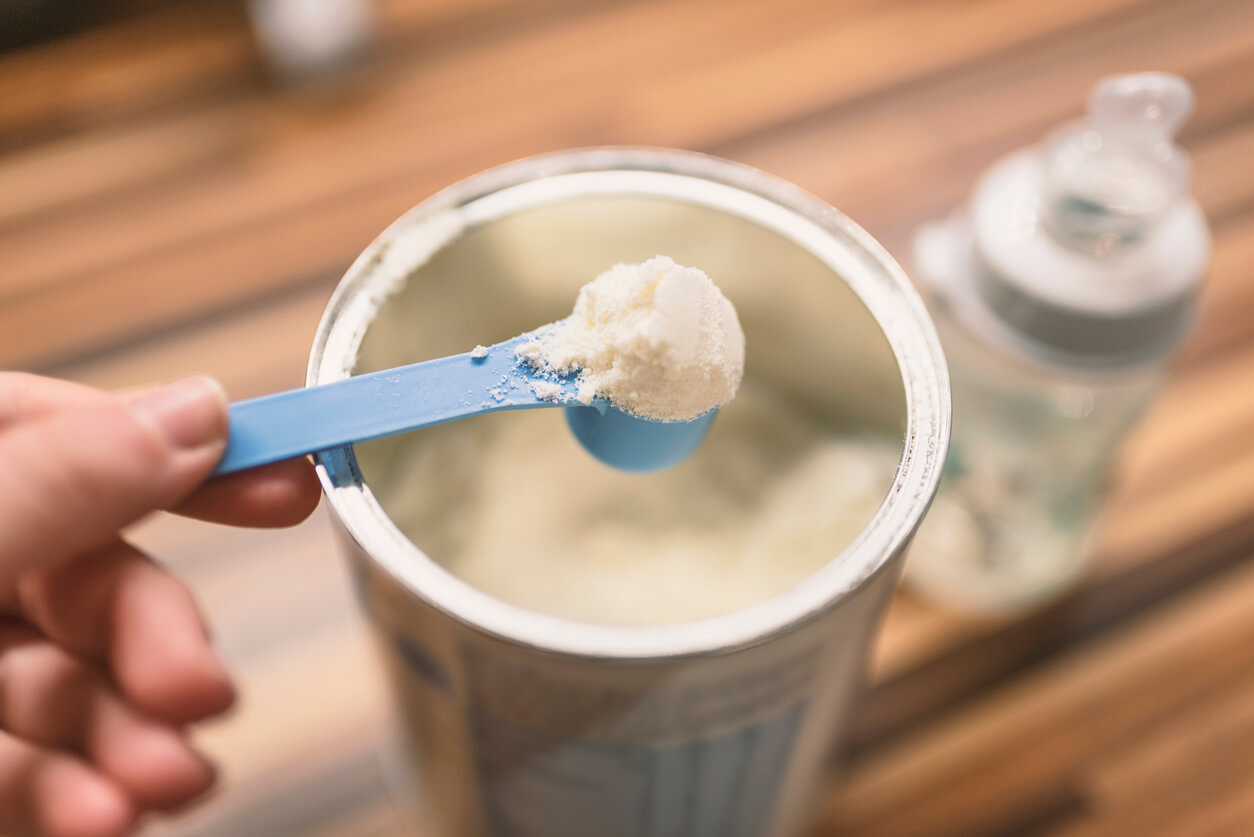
(378, 404)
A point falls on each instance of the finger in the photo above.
(48, 794)
(282, 494)
(278, 495)
(24, 397)
(72, 479)
(117, 606)
(52, 698)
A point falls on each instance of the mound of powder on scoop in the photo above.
(658, 340)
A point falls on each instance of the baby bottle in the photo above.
(1059, 293)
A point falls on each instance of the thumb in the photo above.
(70, 480)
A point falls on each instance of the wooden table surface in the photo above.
(165, 208)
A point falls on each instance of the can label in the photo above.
(721, 786)
(562, 755)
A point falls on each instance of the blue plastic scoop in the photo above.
(364, 407)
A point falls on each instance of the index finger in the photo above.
(26, 397)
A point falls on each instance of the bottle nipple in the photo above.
(1111, 178)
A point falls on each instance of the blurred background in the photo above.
(182, 184)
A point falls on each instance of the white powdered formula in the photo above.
(512, 505)
(658, 340)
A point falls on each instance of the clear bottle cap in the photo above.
(1088, 248)
(1112, 178)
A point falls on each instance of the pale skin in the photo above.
(105, 660)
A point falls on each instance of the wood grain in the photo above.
(979, 768)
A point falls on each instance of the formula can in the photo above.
(521, 724)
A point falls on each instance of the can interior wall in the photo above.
(832, 329)
(818, 370)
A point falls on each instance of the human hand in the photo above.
(104, 657)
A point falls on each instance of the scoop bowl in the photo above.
(634, 444)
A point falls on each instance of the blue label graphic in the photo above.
(724, 786)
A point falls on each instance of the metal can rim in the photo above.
(810, 222)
